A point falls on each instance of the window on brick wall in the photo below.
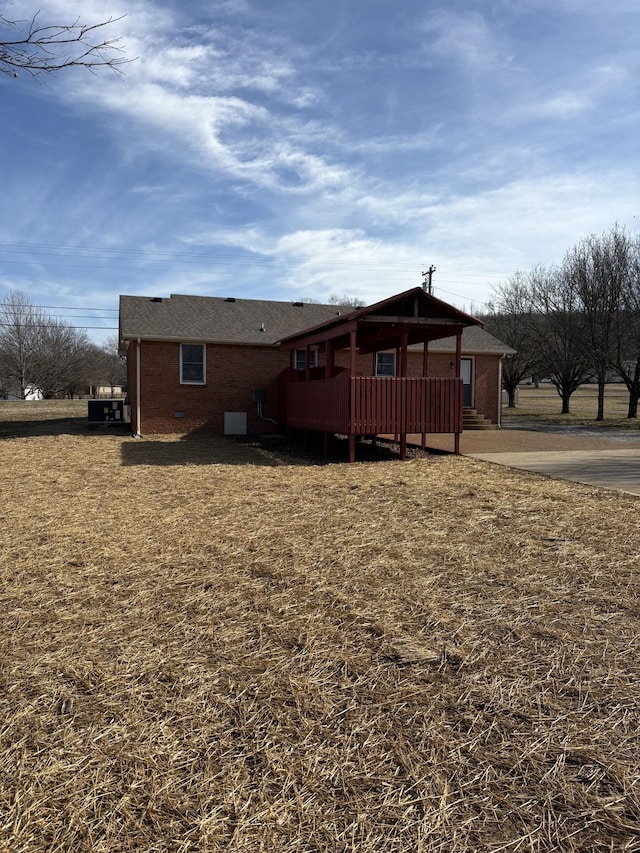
(385, 364)
(192, 364)
(301, 359)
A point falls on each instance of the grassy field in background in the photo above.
(207, 646)
(543, 405)
(46, 417)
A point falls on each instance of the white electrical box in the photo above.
(235, 423)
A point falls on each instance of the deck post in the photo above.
(352, 349)
(404, 338)
(329, 359)
(425, 370)
(403, 446)
(352, 392)
(396, 435)
(456, 441)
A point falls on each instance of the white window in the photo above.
(385, 364)
(192, 364)
(301, 359)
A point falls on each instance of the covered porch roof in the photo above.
(412, 317)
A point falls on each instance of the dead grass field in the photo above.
(543, 404)
(205, 648)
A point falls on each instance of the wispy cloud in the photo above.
(463, 38)
(298, 149)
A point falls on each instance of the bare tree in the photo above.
(598, 268)
(558, 331)
(627, 356)
(46, 48)
(60, 361)
(509, 320)
(345, 301)
(20, 323)
(38, 351)
(112, 365)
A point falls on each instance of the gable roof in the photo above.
(215, 319)
(422, 316)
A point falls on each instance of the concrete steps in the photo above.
(472, 420)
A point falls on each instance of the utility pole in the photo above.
(427, 284)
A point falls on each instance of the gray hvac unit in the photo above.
(107, 412)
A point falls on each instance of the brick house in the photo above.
(223, 365)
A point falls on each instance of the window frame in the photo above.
(392, 354)
(303, 352)
(202, 381)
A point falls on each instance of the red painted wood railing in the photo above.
(370, 405)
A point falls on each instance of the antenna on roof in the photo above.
(427, 284)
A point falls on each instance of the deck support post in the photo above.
(425, 370)
(329, 369)
(456, 441)
(352, 391)
(404, 340)
(403, 446)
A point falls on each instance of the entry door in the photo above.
(466, 371)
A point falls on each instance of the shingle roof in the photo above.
(474, 340)
(214, 319)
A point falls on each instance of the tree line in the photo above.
(40, 353)
(576, 321)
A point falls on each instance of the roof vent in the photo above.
(230, 299)
(298, 304)
(262, 328)
(156, 299)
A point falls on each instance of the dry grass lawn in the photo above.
(206, 647)
(543, 404)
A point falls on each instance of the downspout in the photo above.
(138, 434)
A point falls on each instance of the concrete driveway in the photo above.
(613, 469)
(583, 455)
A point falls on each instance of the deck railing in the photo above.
(371, 405)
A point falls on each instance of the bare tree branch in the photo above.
(45, 49)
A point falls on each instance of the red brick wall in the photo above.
(233, 372)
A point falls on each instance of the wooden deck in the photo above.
(370, 405)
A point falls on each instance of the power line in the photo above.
(209, 256)
(58, 308)
(67, 325)
(72, 308)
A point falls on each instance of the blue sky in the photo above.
(295, 149)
